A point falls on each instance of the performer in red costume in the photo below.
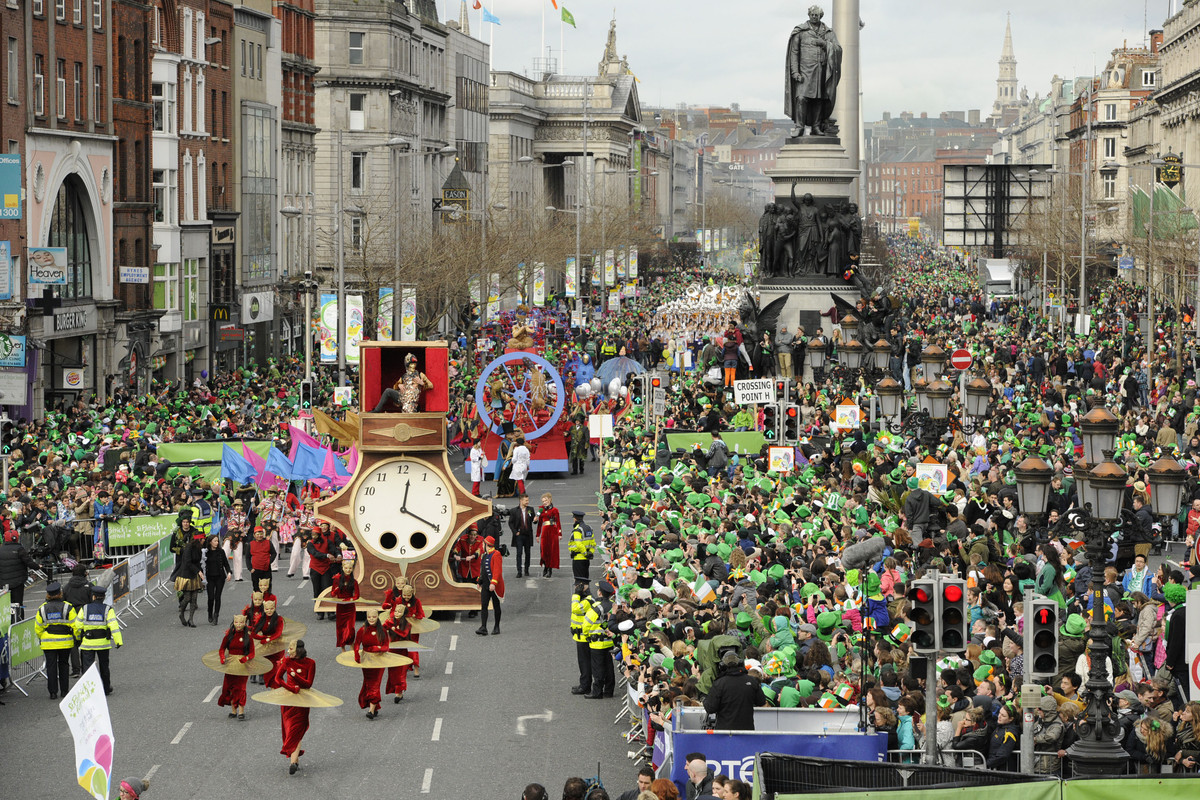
(345, 587)
(237, 643)
(397, 623)
(549, 531)
(295, 672)
(468, 553)
(415, 611)
(268, 629)
(254, 611)
(264, 588)
(372, 637)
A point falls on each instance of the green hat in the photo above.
(1074, 627)
(743, 620)
(769, 693)
(808, 589)
(873, 584)
(912, 482)
(789, 697)
(805, 687)
(776, 572)
(1174, 594)
(826, 625)
(898, 635)
(983, 673)
(724, 551)
(990, 658)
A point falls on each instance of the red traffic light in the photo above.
(791, 412)
(1044, 616)
(921, 595)
(656, 382)
(953, 593)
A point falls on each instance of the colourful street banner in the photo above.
(621, 263)
(354, 326)
(493, 310)
(86, 710)
(633, 265)
(140, 531)
(707, 241)
(539, 284)
(569, 277)
(408, 314)
(614, 300)
(329, 326)
(383, 321)
(23, 643)
(609, 268)
(180, 453)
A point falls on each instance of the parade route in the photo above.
(492, 712)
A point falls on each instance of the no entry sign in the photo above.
(961, 359)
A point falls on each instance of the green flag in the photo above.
(568, 18)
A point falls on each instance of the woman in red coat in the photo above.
(296, 671)
(345, 587)
(415, 611)
(398, 627)
(269, 628)
(549, 531)
(237, 642)
(372, 637)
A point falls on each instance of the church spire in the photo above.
(1006, 80)
(1007, 53)
(464, 18)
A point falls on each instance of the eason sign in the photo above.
(48, 266)
(258, 307)
(755, 390)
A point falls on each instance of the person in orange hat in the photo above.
(491, 585)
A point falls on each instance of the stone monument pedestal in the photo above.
(808, 298)
(816, 165)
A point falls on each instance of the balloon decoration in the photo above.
(583, 391)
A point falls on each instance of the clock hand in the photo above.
(436, 528)
(404, 502)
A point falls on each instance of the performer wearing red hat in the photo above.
(372, 637)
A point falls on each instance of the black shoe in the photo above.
(472, 614)
(291, 574)
(496, 631)
(608, 694)
(292, 769)
(232, 715)
(242, 717)
(574, 690)
(53, 696)
(396, 699)
(109, 690)
(594, 696)
(481, 630)
(519, 573)
(75, 674)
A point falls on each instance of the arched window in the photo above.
(69, 229)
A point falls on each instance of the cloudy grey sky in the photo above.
(918, 55)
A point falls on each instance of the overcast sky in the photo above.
(917, 55)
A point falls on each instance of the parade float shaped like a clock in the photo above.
(403, 508)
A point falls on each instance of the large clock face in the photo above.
(403, 510)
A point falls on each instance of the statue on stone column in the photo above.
(766, 242)
(813, 69)
(808, 234)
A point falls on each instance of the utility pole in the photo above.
(1083, 201)
(343, 323)
(581, 205)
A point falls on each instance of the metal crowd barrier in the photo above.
(966, 759)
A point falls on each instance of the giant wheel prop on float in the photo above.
(521, 390)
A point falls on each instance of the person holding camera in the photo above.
(325, 556)
(734, 696)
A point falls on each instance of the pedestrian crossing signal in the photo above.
(1041, 637)
(922, 599)
(306, 395)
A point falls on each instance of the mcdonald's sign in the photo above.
(220, 312)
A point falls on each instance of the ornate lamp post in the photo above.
(933, 362)
(979, 395)
(932, 418)
(1099, 427)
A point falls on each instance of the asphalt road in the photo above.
(486, 717)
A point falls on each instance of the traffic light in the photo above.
(656, 382)
(1041, 637)
(953, 625)
(783, 388)
(791, 424)
(637, 386)
(922, 600)
(306, 395)
(771, 421)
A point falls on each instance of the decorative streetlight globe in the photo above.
(1099, 427)
(889, 391)
(1167, 480)
(1033, 484)
(851, 354)
(921, 390)
(933, 361)
(849, 325)
(979, 394)
(882, 352)
(939, 393)
(816, 353)
(1107, 489)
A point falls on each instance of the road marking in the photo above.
(212, 694)
(454, 642)
(531, 583)
(449, 667)
(547, 715)
(457, 618)
(437, 730)
(445, 694)
(182, 732)
(427, 780)
(153, 770)
(560, 483)
(288, 602)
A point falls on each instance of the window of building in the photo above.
(77, 12)
(1110, 147)
(1109, 182)
(97, 92)
(358, 111)
(358, 167)
(165, 204)
(191, 289)
(60, 10)
(39, 86)
(60, 89)
(201, 187)
(201, 122)
(356, 233)
(243, 57)
(259, 62)
(38, 7)
(357, 43)
(78, 96)
(97, 14)
(69, 228)
(166, 287)
(14, 71)
(164, 107)
(1149, 78)
(1110, 112)
(185, 122)
(188, 196)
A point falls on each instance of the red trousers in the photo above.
(295, 724)
(233, 691)
(369, 693)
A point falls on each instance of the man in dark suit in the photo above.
(520, 522)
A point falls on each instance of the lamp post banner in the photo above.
(569, 278)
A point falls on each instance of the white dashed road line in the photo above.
(427, 781)
(182, 732)
(288, 602)
(212, 694)
(454, 642)
(449, 667)
(437, 730)
(445, 694)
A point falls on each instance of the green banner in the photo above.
(1036, 790)
(1164, 787)
(135, 531)
(744, 442)
(166, 559)
(5, 613)
(186, 452)
(23, 644)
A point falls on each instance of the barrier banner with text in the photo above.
(732, 754)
